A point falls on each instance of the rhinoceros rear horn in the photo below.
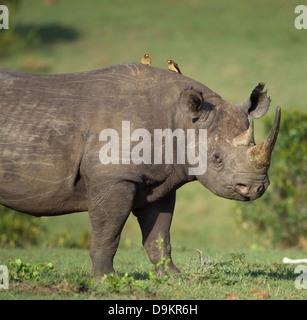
(246, 138)
(260, 155)
(192, 101)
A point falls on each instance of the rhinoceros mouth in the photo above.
(242, 189)
(251, 192)
(242, 192)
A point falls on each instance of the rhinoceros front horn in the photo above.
(260, 155)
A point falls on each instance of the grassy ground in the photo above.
(238, 275)
(229, 46)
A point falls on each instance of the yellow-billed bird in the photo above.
(145, 59)
(173, 66)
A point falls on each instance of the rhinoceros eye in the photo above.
(217, 158)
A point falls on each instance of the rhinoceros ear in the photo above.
(257, 104)
(192, 102)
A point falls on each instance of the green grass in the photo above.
(64, 274)
(229, 46)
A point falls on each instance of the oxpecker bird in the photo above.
(173, 66)
(145, 59)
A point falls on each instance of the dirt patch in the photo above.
(58, 289)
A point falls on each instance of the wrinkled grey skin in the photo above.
(49, 147)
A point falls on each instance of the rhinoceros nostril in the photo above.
(242, 189)
(259, 189)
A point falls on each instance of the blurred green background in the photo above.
(230, 46)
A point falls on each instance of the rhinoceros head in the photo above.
(236, 166)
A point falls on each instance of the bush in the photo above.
(19, 230)
(65, 239)
(20, 271)
(281, 214)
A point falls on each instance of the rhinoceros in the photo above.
(51, 149)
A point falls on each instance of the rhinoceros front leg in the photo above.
(109, 208)
(155, 220)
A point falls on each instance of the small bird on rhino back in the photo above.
(145, 59)
(173, 66)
